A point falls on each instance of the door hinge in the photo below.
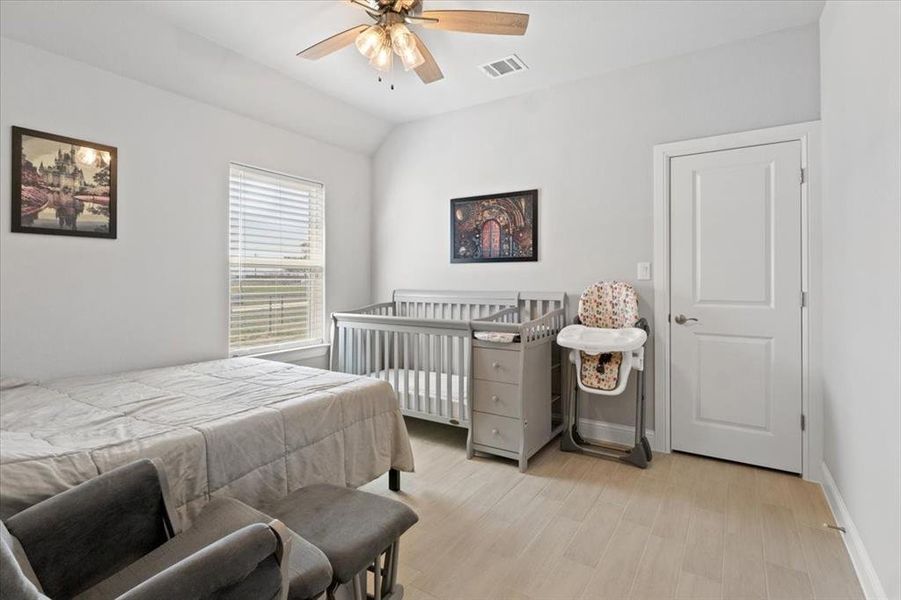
(803, 175)
(803, 299)
(803, 423)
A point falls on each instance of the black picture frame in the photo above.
(519, 205)
(16, 177)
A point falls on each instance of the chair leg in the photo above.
(359, 586)
(377, 578)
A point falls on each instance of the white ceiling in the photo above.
(566, 40)
(240, 55)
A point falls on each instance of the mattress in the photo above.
(251, 429)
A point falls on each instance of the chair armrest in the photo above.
(243, 564)
(82, 536)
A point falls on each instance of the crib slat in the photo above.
(367, 352)
(358, 351)
(439, 367)
(347, 355)
(417, 359)
(450, 376)
(361, 351)
(352, 352)
(377, 343)
(428, 372)
(407, 351)
(347, 342)
(382, 365)
(386, 336)
(376, 354)
(396, 364)
(354, 355)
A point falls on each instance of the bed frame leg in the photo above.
(394, 480)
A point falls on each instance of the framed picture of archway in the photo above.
(495, 228)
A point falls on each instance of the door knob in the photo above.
(682, 319)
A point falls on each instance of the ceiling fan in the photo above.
(390, 34)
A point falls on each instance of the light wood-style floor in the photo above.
(581, 527)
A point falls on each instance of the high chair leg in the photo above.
(572, 441)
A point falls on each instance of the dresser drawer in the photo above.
(495, 431)
(496, 365)
(496, 398)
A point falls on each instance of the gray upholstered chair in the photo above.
(115, 536)
(359, 532)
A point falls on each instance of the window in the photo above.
(276, 261)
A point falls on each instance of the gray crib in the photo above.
(422, 343)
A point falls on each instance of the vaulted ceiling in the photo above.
(241, 54)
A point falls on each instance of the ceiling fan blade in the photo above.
(476, 21)
(332, 44)
(428, 71)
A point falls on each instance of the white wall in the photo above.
(127, 39)
(158, 294)
(861, 212)
(587, 147)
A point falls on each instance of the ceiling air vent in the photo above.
(505, 66)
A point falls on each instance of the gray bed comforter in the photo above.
(242, 427)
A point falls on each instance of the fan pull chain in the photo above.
(390, 85)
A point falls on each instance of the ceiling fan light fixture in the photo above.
(401, 39)
(412, 59)
(371, 40)
(383, 58)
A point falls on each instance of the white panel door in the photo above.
(736, 304)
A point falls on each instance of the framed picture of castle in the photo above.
(62, 186)
(495, 228)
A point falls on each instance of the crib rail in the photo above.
(534, 331)
(456, 305)
(382, 309)
(427, 361)
(538, 330)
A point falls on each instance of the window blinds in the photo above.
(276, 261)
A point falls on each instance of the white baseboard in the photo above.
(866, 573)
(604, 431)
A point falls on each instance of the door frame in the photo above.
(808, 133)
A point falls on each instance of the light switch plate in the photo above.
(644, 271)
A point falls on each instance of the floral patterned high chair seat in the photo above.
(610, 305)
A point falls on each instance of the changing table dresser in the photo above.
(516, 406)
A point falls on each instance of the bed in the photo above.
(247, 428)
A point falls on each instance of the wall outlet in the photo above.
(644, 271)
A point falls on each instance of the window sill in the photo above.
(294, 354)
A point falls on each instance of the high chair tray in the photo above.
(595, 340)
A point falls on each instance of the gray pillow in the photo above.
(19, 580)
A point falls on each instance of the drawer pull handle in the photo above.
(494, 432)
(494, 398)
(496, 365)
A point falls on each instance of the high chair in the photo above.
(606, 343)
